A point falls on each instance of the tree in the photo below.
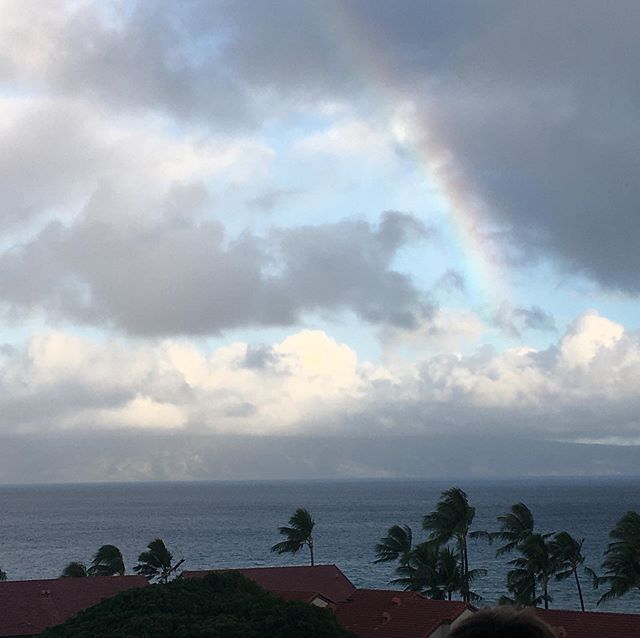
(396, 545)
(420, 571)
(435, 571)
(451, 521)
(107, 561)
(156, 562)
(621, 562)
(223, 605)
(74, 570)
(298, 533)
(568, 552)
(515, 527)
(3, 575)
(537, 564)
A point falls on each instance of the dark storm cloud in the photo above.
(183, 276)
(537, 103)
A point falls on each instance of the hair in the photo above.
(502, 622)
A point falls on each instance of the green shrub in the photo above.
(225, 605)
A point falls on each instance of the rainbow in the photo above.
(462, 210)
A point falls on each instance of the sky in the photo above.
(318, 239)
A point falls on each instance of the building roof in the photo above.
(589, 624)
(326, 580)
(28, 607)
(379, 613)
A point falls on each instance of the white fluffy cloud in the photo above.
(308, 383)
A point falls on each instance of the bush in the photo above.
(225, 605)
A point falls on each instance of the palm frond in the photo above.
(396, 545)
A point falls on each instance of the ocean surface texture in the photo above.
(219, 524)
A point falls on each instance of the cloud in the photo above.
(539, 126)
(515, 320)
(269, 200)
(584, 387)
(179, 275)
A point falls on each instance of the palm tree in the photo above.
(449, 574)
(107, 561)
(536, 564)
(156, 562)
(74, 570)
(621, 561)
(451, 521)
(420, 571)
(521, 584)
(435, 571)
(568, 551)
(298, 533)
(515, 527)
(396, 545)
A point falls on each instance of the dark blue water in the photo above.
(219, 524)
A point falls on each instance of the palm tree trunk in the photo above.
(575, 573)
(546, 593)
(311, 551)
(465, 568)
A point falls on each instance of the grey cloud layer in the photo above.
(536, 102)
(183, 276)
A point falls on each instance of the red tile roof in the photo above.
(326, 580)
(28, 607)
(588, 624)
(375, 613)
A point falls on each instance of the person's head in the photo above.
(502, 622)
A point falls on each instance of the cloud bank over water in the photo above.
(309, 386)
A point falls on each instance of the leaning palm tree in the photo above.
(537, 563)
(107, 561)
(436, 572)
(298, 533)
(568, 551)
(396, 545)
(515, 527)
(451, 521)
(621, 561)
(74, 569)
(420, 571)
(157, 562)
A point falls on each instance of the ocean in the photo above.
(234, 524)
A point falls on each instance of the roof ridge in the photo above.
(66, 579)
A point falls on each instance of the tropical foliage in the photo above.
(219, 606)
(542, 558)
(74, 570)
(439, 566)
(451, 521)
(396, 545)
(157, 562)
(298, 534)
(621, 563)
(3, 575)
(568, 552)
(107, 561)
